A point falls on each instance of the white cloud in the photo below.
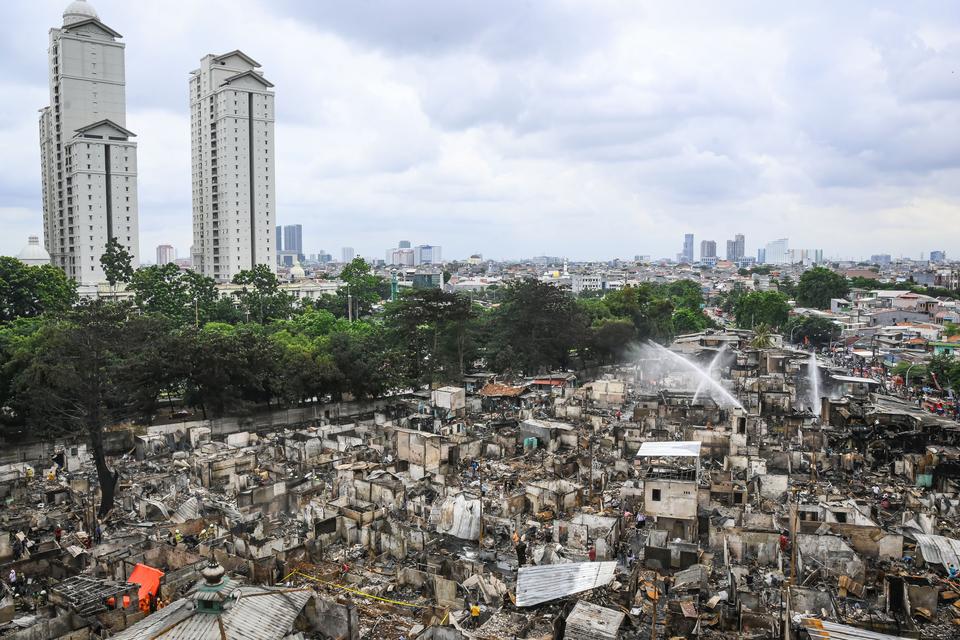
(593, 129)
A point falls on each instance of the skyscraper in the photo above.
(736, 248)
(347, 254)
(687, 255)
(88, 160)
(777, 252)
(165, 254)
(708, 249)
(293, 239)
(232, 156)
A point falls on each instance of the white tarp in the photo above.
(684, 449)
(826, 630)
(548, 582)
(460, 517)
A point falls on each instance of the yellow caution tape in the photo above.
(348, 589)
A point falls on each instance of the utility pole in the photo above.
(480, 478)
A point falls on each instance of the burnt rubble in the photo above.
(758, 493)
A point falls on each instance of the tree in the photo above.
(261, 297)
(187, 297)
(27, 291)
(362, 289)
(160, 290)
(431, 327)
(787, 287)
(78, 381)
(762, 307)
(689, 321)
(817, 331)
(536, 327)
(950, 329)
(117, 263)
(818, 286)
(609, 338)
(762, 337)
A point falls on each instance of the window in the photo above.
(656, 495)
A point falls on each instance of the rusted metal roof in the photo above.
(496, 390)
(547, 582)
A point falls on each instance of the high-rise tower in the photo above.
(88, 160)
(232, 153)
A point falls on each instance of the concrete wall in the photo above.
(677, 499)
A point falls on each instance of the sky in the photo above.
(513, 128)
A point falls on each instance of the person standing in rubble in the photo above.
(57, 533)
(592, 554)
(521, 552)
(98, 534)
(475, 614)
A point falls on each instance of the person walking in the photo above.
(521, 553)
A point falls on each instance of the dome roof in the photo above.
(297, 272)
(78, 11)
(33, 254)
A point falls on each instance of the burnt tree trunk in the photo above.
(105, 475)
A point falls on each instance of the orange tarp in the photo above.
(149, 580)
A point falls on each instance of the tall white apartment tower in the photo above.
(88, 158)
(232, 152)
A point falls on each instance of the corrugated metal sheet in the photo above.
(551, 581)
(824, 629)
(683, 449)
(588, 621)
(939, 549)
(259, 614)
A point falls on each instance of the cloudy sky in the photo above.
(588, 129)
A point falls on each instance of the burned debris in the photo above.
(710, 490)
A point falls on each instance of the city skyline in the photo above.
(414, 153)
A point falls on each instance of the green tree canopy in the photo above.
(117, 263)
(261, 298)
(818, 286)
(818, 331)
(536, 327)
(28, 291)
(762, 307)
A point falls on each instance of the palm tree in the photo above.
(762, 337)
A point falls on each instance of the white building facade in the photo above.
(88, 158)
(233, 166)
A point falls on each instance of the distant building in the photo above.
(293, 239)
(401, 256)
(403, 244)
(736, 248)
(938, 256)
(708, 249)
(165, 254)
(687, 254)
(761, 255)
(347, 254)
(427, 254)
(233, 168)
(88, 158)
(777, 252)
(475, 259)
(882, 259)
(33, 255)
